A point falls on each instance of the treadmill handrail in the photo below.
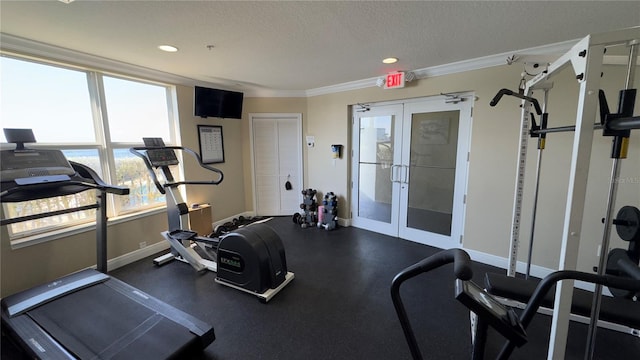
(88, 173)
(85, 178)
(137, 152)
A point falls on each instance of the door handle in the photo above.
(392, 177)
(406, 174)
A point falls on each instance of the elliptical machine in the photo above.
(251, 259)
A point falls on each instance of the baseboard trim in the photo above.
(482, 257)
(136, 255)
(503, 263)
(157, 247)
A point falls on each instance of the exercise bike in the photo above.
(251, 259)
(490, 312)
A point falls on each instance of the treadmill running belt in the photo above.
(97, 322)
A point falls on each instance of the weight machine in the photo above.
(586, 59)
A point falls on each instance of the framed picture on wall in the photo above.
(211, 144)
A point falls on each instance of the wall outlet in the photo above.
(143, 244)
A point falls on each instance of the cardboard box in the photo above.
(200, 219)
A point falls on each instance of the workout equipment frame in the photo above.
(177, 211)
(89, 314)
(490, 312)
(157, 155)
(586, 59)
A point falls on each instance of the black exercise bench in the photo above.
(615, 310)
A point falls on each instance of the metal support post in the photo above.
(514, 242)
(587, 64)
(608, 221)
(541, 146)
(101, 231)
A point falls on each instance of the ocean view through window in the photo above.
(94, 118)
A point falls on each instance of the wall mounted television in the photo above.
(217, 103)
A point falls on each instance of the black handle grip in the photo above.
(88, 173)
(503, 92)
(499, 96)
(152, 174)
(460, 259)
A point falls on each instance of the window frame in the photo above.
(103, 145)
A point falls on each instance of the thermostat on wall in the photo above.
(311, 141)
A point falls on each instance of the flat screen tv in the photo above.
(217, 103)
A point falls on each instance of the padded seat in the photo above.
(612, 309)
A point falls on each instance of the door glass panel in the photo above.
(434, 143)
(374, 168)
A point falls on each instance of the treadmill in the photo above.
(88, 314)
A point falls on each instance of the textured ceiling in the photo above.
(305, 45)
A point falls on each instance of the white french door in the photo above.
(410, 169)
(276, 144)
(376, 168)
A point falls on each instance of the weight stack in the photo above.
(252, 258)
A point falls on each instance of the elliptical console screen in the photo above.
(161, 156)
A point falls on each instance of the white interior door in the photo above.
(410, 169)
(276, 144)
(435, 150)
(376, 160)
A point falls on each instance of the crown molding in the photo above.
(454, 68)
(18, 45)
(274, 93)
(22, 46)
(352, 85)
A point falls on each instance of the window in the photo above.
(132, 173)
(94, 118)
(48, 99)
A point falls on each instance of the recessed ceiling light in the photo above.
(390, 60)
(66, 1)
(168, 48)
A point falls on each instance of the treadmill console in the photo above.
(28, 166)
(34, 165)
(498, 316)
(161, 156)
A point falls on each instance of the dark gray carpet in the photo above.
(338, 306)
